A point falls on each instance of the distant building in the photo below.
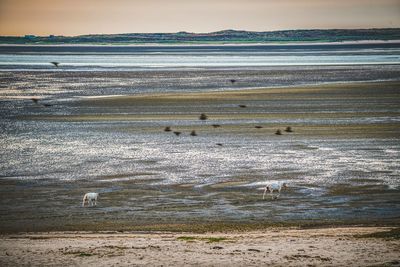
(30, 36)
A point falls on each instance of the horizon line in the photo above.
(225, 30)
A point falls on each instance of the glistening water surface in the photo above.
(341, 161)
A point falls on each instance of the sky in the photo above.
(76, 17)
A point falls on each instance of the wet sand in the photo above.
(349, 110)
(143, 196)
(355, 246)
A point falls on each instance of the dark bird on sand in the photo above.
(203, 117)
(288, 129)
(215, 125)
(55, 63)
(36, 101)
(193, 133)
(278, 132)
(258, 127)
(218, 144)
(242, 106)
(177, 133)
(167, 129)
(232, 81)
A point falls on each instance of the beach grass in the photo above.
(205, 239)
(390, 235)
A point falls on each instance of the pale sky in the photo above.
(75, 17)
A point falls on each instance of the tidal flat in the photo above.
(341, 160)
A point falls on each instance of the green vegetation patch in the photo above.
(392, 234)
(78, 253)
(205, 239)
(83, 254)
(187, 238)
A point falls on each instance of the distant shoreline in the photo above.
(224, 37)
(210, 43)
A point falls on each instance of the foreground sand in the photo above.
(272, 247)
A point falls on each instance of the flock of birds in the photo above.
(168, 128)
(203, 116)
(91, 198)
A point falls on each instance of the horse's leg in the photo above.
(265, 191)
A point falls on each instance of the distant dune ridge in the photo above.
(225, 36)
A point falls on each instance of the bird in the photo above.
(288, 129)
(35, 100)
(215, 125)
(167, 129)
(278, 132)
(177, 133)
(242, 106)
(232, 81)
(258, 127)
(55, 63)
(193, 133)
(47, 105)
(218, 144)
(203, 117)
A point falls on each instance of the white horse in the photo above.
(274, 187)
(90, 198)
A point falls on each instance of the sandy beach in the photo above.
(355, 246)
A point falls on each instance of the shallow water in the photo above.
(341, 163)
(73, 151)
(83, 58)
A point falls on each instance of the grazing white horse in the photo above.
(90, 198)
(274, 187)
